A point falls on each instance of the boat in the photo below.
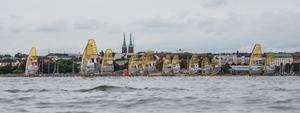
(107, 66)
(32, 63)
(257, 65)
(208, 68)
(148, 64)
(134, 65)
(90, 59)
(216, 67)
(176, 65)
(194, 65)
(167, 65)
(269, 67)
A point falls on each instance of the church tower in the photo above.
(124, 46)
(131, 46)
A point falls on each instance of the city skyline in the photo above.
(194, 26)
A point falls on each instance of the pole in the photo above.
(42, 66)
(54, 69)
(48, 67)
(57, 67)
(73, 71)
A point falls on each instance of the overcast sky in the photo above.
(159, 25)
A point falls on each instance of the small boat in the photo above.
(32, 63)
(194, 65)
(167, 65)
(148, 64)
(107, 67)
(90, 59)
(176, 65)
(134, 65)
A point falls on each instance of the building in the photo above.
(296, 57)
(243, 58)
(233, 58)
(59, 56)
(226, 58)
(281, 58)
(130, 49)
(131, 46)
(124, 46)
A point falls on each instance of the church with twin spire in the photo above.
(130, 48)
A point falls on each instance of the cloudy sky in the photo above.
(160, 25)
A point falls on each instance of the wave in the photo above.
(108, 88)
(29, 90)
(125, 89)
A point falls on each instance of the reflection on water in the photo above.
(215, 94)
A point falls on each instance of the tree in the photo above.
(20, 55)
(225, 69)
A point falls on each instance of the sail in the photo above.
(148, 62)
(256, 55)
(176, 64)
(216, 68)
(194, 64)
(134, 65)
(107, 62)
(269, 67)
(167, 65)
(90, 58)
(32, 62)
(269, 58)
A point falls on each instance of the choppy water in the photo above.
(241, 94)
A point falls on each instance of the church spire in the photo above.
(130, 42)
(124, 41)
(131, 46)
(124, 46)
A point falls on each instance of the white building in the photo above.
(281, 58)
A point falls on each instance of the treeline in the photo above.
(59, 66)
(18, 69)
(288, 68)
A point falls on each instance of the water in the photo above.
(229, 94)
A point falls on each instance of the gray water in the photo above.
(229, 94)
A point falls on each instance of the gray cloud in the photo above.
(192, 25)
(159, 25)
(88, 25)
(214, 3)
(272, 30)
(17, 29)
(56, 26)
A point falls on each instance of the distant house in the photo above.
(281, 58)
(233, 58)
(119, 56)
(59, 56)
(296, 57)
(226, 58)
(243, 58)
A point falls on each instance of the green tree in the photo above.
(225, 69)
